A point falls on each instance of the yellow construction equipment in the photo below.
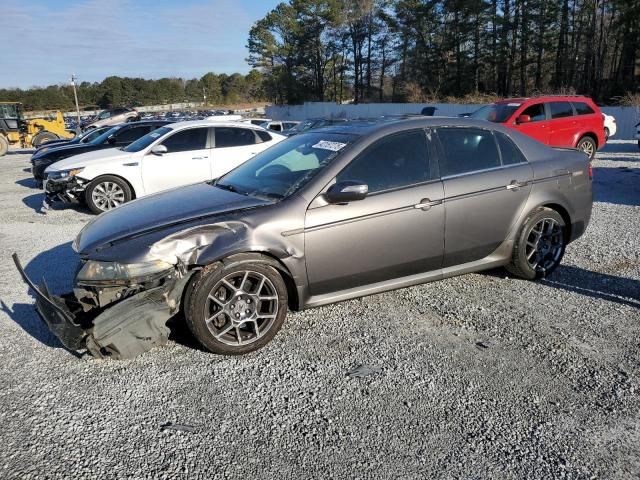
(16, 131)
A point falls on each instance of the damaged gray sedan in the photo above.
(322, 217)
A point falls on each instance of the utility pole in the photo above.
(204, 96)
(75, 95)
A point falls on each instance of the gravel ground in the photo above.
(480, 376)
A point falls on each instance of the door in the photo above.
(485, 190)
(538, 126)
(396, 231)
(234, 146)
(562, 124)
(187, 161)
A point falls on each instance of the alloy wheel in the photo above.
(587, 147)
(544, 245)
(241, 308)
(107, 195)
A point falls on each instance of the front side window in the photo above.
(583, 108)
(511, 154)
(103, 115)
(560, 109)
(286, 167)
(148, 139)
(234, 137)
(396, 161)
(131, 134)
(466, 150)
(187, 140)
(535, 112)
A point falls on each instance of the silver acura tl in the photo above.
(327, 215)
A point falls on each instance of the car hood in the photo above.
(163, 210)
(88, 158)
(66, 150)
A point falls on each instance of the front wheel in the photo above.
(106, 193)
(238, 308)
(41, 138)
(540, 245)
(588, 146)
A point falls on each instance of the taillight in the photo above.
(590, 172)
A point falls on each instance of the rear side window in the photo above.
(131, 134)
(186, 140)
(396, 161)
(510, 153)
(234, 137)
(467, 150)
(583, 108)
(263, 136)
(561, 109)
(536, 112)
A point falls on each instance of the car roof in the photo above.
(544, 98)
(395, 123)
(211, 123)
(147, 122)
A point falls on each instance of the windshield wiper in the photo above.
(229, 188)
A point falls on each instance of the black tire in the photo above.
(546, 256)
(43, 137)
(606, 133)
(4, 145)
(587, 145)
(114, 189)
(204, 316)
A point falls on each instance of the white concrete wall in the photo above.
(626, 117)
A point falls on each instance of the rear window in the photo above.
(583, 108)
(234, 137)
(561, 109)
(264, 136)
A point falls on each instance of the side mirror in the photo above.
(344, 192)
(159, 150)
(111, 140)
(523, 119)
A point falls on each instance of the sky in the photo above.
(45, 41)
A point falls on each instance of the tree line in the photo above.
(425, 50)
(211, 88)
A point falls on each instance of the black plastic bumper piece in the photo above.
(55, 313)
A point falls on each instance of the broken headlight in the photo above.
(57, 175)
(102, 272)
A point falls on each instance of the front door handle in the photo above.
(426, 203)
(515, 185)
(199, 158)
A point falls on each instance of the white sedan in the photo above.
(170, 156)
(609, 125)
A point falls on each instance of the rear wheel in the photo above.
(606, 133)
(238, 308)
(42, 137)
(588, 146)
(540, 245)
(106, 193)
(4, 145)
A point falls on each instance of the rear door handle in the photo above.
(426, 203)
(199, 158)
(515, 185)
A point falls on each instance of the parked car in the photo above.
(118, 136)
(168, 157)
(255, 121)
(313, 123)
(557, 121)
(325, 216)
(114, 117)
(84, 137)
(279, 126)
(609, 125)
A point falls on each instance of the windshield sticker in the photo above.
(327, 145)
(154, 135)
(514, 104)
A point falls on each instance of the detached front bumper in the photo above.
(67, 190)
(121, 330)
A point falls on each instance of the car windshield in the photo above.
(102, 138)
(303, 126)
(91, 135)
(148, 139)
(497, 113)
(284, 168)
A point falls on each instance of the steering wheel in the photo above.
(274, 171)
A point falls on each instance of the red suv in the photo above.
(557, 121)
